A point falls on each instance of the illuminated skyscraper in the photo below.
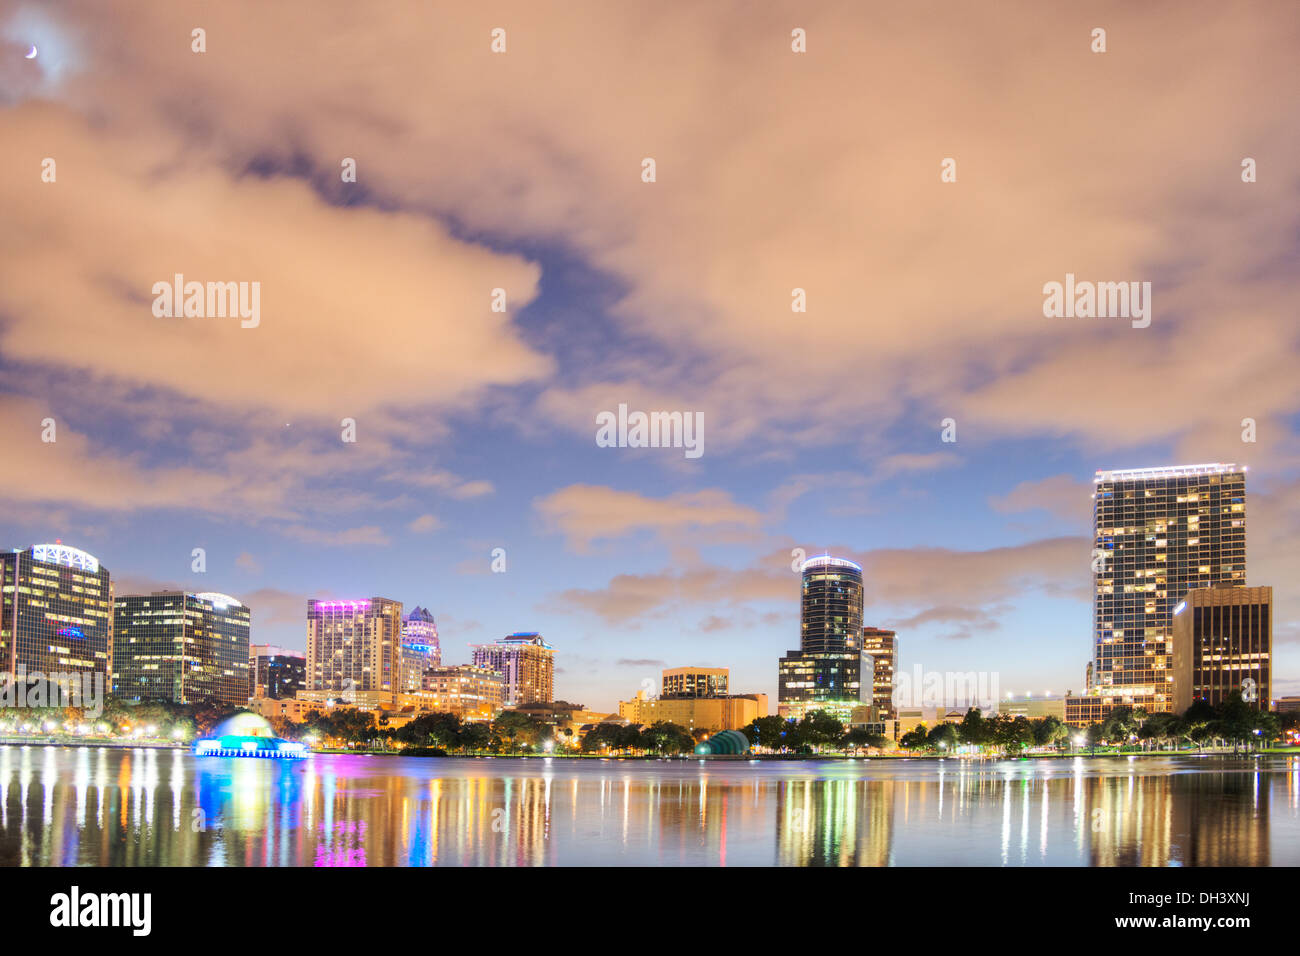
(826, 672)
(181, 647)
(527, 664)
(420, 647)
(354, 646)
(831, 608)
(1158, 533)
(56, 612)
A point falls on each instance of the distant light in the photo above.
(1182, 606)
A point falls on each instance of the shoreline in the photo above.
(683, 758)
(93, 744)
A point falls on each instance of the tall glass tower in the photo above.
(1158, 533)
(831, 610)
(354, 645)
(56, 613)
(826, 672)
(420, 648)
(181, 647)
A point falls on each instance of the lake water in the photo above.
(78, 806)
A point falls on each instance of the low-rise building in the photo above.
(909, 718)
(874, 719)
(1033, 708)
(565, 719)
(731, 712)
(290, 708)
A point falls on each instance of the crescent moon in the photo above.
(31, 54)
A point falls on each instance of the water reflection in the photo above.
(68, 806)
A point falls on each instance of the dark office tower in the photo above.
(181, 647)
(56, 613)
(354, 645)
(882, 647)
(826, 673)
(275, 672)
(1159, 533)
(1222, 641)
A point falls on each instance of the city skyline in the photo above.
(853, 309)
(1282, 684)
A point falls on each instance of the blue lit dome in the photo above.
(729, 742)
(247, 735)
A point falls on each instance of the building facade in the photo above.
(696, 713)
(181, 647)
(564, 718)
(526, 662)
(1158, 533)
(686, 682)
(881, 646)
(290, 708)
(1033, 708)
(827, 671)
(872, 719)
(420, 647)
(1222, 645)
(354, 646)
(56, 613)
(276, 672)
(467, 690)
